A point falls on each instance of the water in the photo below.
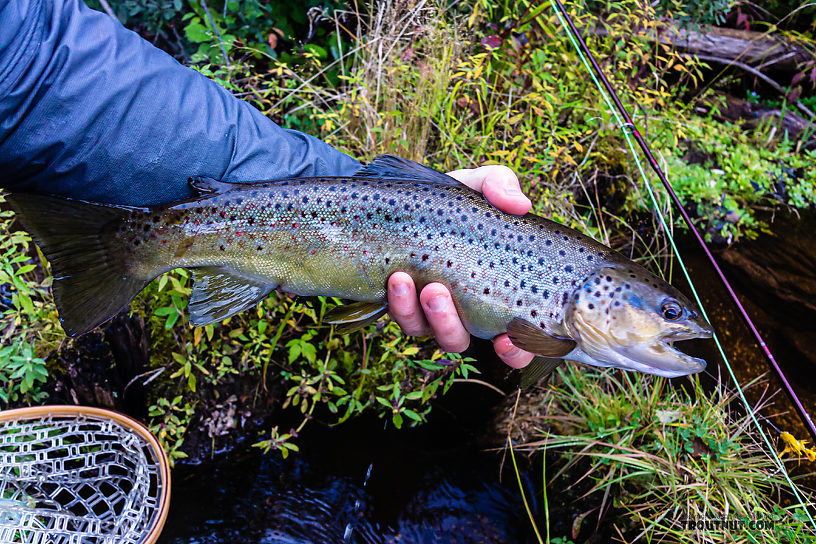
(362, 484)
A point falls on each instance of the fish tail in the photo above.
(92, 280)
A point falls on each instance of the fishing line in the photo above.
(630, 130)
(628, 127)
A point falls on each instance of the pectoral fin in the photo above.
(530, 338)
(352, 317)
(218, 295)
(538, 368)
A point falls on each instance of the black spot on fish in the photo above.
(568, 268)
(221, 247)
(545, 294)
(486, 291)
(519, 302)
(562, 252)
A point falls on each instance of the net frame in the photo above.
(71, 474)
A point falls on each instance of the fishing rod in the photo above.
(632, 129)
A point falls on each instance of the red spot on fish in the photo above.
(238, 233)
(223, 215)
(295, 224)
(164, 241)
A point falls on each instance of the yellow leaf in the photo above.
(515, 119)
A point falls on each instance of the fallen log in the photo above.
(760, 50)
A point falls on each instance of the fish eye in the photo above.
(671, 310)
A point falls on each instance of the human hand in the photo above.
(433, 311)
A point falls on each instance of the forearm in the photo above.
(89, 109)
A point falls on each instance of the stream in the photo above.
(362, 483)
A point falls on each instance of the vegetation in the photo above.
(654, 456)
(455, 86)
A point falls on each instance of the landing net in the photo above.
(73, 475)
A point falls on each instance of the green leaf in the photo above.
(196, 32)
(316, 50)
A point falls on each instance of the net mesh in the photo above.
(72, 479)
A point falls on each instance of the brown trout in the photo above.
(556, 292)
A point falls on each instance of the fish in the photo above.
(556, 292)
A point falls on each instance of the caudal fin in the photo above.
(92, 282)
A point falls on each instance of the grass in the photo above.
(653, 455)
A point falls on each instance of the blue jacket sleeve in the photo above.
(89, 109)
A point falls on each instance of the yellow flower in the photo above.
(797, 447)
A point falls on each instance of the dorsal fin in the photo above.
(392, 167)
(210, 185)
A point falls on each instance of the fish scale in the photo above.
(343, 237)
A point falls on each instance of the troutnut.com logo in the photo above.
(727, 524)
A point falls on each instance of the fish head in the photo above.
(624, 317)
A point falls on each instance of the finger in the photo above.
(443, 319)
(510, 354)
(403, 305)
(499, 185)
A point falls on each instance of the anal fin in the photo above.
(218, 294)
(352, 317)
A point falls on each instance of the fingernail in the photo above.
(512, 190)
(400, 289)
(438, 303)
(512, 352)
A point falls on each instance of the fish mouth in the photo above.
(644, 352)
(662, 358)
